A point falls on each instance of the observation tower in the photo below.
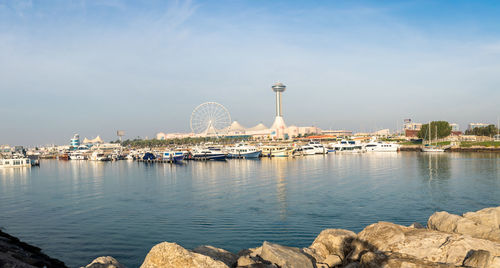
(279, 125)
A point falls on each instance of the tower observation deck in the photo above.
(279, 124)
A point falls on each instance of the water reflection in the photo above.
(434, 166)
(17, 175)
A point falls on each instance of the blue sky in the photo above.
(92, 67)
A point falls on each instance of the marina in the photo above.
(88, 206)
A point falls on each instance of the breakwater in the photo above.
(468, 240)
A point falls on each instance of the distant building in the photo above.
(408, 125)
(454, 127)
(378, 133)
(411, 133)
(475, 125)
(75, 141)
(96, 140)
(338, 133)
(5, 149)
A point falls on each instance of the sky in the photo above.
(95, 67)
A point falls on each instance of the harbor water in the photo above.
(79, 210)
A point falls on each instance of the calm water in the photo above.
(77, 211)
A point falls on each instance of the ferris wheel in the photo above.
(210, 118)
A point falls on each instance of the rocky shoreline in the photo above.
(470, 240)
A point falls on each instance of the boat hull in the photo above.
(255, 154)
(209, 156)
(432, 150)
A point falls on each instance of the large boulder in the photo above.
(18, 254)
(105, 262)
(396, 260)
(331, 242)
(488, 216)
(424, 244)
(285, 257)
(172, 255)
(446, 222)
(217, 254)
(481, 259)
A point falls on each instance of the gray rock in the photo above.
(332, 242)
(245, 261)
(446, 222)
(332, 260)
(423, 244)
(217, 254)
(285, 257)
(17, 254)
(396, 260)
(488, 216)
(417, 225)
(478, 259)
(172, 255)
(105, 262)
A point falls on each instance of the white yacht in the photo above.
(210, 153)
(305, 150)
(345, 146)
(99, 156)
(379, 146)
(243, 151)
(15, 162)
(318, 147)
(77, 155)
(276, 151)
(80, 153)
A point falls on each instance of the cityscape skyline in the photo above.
(97, 67)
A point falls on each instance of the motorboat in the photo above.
(77, 155)
(99, 156)
(379, 146)
(210, 153)
(80, 153)
(305, 150)
(346, 146)
(243, 151)
(318, 147)
(276, 151)
(174, 156)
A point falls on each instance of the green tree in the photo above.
(439, 129)
(489, 130)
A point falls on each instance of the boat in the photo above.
(14, 162)
(432, 149)
(305, 150)
(148, 156)
(173, 156)
(345, 146)
(80, 153)
(209, 153)
(99, 156)
(318, 147)
(429, 148)
(276, 151)
(243, 151)
(77, 155)
(379, 146)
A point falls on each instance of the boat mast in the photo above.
(430, 137)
